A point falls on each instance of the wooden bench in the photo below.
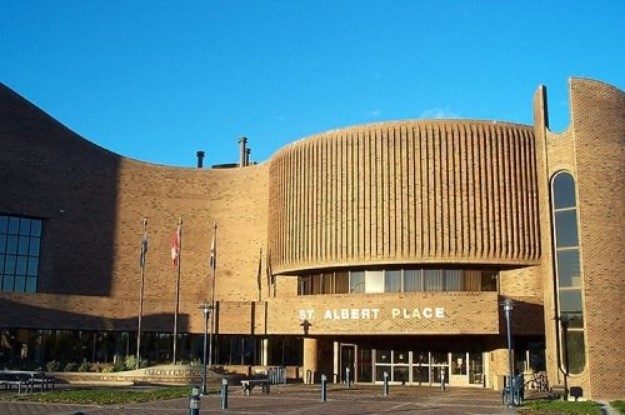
(249, 384)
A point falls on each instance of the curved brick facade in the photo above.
(410, 192)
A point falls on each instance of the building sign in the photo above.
(417, 313)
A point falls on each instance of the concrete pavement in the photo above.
(301, 400)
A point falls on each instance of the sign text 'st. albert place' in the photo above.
(417, 313)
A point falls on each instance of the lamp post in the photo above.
(564, 323)
(507, 308)
(206, 309)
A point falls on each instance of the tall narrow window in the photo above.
(568, 273)
(20, 241)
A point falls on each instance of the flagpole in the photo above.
(177, 307)
(213, 264)
(144, 246)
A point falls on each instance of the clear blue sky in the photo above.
(158, 80)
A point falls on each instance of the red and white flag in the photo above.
(175, 247)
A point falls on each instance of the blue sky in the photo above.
(157, 80)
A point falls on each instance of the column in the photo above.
(310, 360)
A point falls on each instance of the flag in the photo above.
(270, 278)
(213, 262)
(143, 249)
(175, 247)
(260, 272)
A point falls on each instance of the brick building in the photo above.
(380, 248)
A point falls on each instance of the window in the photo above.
(568, 273)
(392, 281)
(20, 242)
(399, 280)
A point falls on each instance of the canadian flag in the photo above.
(175, 247)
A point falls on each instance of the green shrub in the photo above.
(53, 366)
(71, 367)
(130, 362)
(118, 366)
(84, 366)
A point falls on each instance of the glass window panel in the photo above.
(439, 358)
(566, 228)
(379, 372)
(33, 266)
(33, 248)
(4, 224)
(564, 191)
(327, 283)
(400, 357)
(453, 280)
(575, 349)
(392, 281)
(3, 243)
(22, 247)
(341, 282)
(568, 268)
(20, 284)
(357, 282)
(364, 365)
(432, 280)
(31, 285)
(35, 228)
(458, 364)
(316, 283)
(9, 264)
(412, 280)
(22, 263)
(1, 264)
(24, 226)
(489, 281)
(11, 244)
(14, 225)
(400, 374)
(420, 358)
(570, 301)
(374, 281)
(383, 356)
(420, 374)
(7, 283)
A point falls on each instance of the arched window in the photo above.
(568, 273)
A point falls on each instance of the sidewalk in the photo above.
(302, 400)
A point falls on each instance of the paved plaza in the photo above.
(301, 400)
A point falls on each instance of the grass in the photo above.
(103, 396)
(618, 405)
(560, 407)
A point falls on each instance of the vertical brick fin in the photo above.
(407, 192)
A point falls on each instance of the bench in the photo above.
(27, 380)
(249, 384)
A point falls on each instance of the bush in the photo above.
(84, 366)
(71, 367)
(130, 362)
(53, 366)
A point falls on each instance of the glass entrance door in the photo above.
(348, 361)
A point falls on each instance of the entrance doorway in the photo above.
(348, 361)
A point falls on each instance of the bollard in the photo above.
(442, 379)
(347, 378)
(194, 401)
(385, 383)
(324, 386)
(224, 394)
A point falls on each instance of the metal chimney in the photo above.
(200, 158)
(242, 145)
